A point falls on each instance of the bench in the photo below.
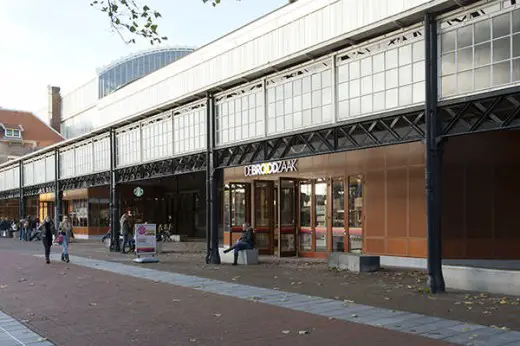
(354, 262)
(245, 257)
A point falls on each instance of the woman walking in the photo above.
(47, 232)
(66, 234)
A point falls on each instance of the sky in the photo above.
(62, 42)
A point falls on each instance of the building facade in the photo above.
(370, 127)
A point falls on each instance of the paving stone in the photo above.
(473, 336)
(395, 319)
(508, 338)
(419, 321)
(431, 327)
(11, 342)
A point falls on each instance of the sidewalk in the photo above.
(404, 291)
(75, 305)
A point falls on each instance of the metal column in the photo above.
(114, 196)
(212, 181)
(21, 207)
(57, 193)
(434, 152)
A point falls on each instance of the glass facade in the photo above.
(480, 49)
(240, 115)
(102, 154)
(10, 178)
(189, 129)
(381, 76)
(157, 137)
(133, 68)
(128, 143)
(302, 98)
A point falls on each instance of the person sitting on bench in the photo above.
(246, 242)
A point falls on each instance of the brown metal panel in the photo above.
(417, 202)
(397, 202)
(375, 246)
(453, 202)
(479, 201)
(397, 155)
(417, 247)
(397, 246)
(506, 194)
(375, 204)
(374, 158)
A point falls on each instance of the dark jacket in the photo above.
(126, 227)
(43, 229)
(249, 236)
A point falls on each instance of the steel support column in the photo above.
(21, 207)
(212, 181)
(114, 196)
(57, 192)
(433, 159)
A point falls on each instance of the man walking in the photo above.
(126, 229)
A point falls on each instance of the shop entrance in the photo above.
(297, 217)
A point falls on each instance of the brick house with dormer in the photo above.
(23, 132)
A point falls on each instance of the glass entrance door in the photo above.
(287, 217)
(355, 214)
(237, 207)
(263, 192)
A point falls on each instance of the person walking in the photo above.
(126, 229)
(66, 233)
(48, 231)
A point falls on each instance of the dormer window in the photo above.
(13, 133)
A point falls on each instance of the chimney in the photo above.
(54, 108)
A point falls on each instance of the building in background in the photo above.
(22, 133)
(75, 113)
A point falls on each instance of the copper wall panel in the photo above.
(375, 246)
(417, 247)
(397, 247)
(479, 202)
(397, 156)
(375, 158)
(417, 202)
(375, 212)
(507, 203)
(397, 202)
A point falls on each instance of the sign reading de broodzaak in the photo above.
(267, 168)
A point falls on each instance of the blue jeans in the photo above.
(22, 233)
(65, 246)
(242, 245)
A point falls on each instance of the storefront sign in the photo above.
(267, 168)
(145, 241)
(138, 192)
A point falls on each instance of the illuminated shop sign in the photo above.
(267, 168)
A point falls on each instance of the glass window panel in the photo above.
(354, 70)
(391, 59)
(343, 109)
(305, 216)
(448, 41)
(355, 106)
(316, 115)
(270, 98)
(501, 49)
(252, 101)
(245, 103)
(288, 90)
(405, 95)
(501, 73)
(279, 108)
(338, 215)
(288, 122)
(379, 101)
(354, 88)
(516, 70)
(297, 119)
(288, 106)
(391, 98)
(326, 79)
(419, 92)
(366, 85)
(378, 61)
(379, 82)
(316, 81)
(307, 117)
(465, 81)
(516, 45)
(448, 85)
(366, 66)
(448, 64)
(306, 85)
(482, 31)
(516, 20)
(465, 36)
(306, 101)
(405, 75)
(321, 215)
(465, 59)
(297, 103)
(482, 54)
(326, 112)
(326, 96)
(343, 73)
(418, 51)
(405, 55)
(366, 104)
(501, 25)
(418, 71)
(297, 87)
(279, 124)
(316, 98)
(279, 93)
(391, 78)
(343, 91)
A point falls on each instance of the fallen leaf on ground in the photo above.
(176, 300)
(193, 340)
(355, 316)
(348, 301)
(218, 315)
(92, 304)
(303, 332)
(388, 298)
(42, 339)
(286, 331)
(3, 286)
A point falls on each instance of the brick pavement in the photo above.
(390, 289)
(74, 305)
